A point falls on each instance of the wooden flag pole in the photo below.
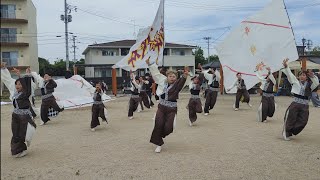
(114, 82)
(221, 80)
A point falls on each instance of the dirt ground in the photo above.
(224, 145)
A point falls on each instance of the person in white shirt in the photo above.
(267, 106)
(241, 91)
(213, 77)
(135, 98)
(297, 114)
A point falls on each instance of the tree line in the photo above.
(58, 68)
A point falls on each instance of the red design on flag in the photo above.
(247, 30)
(134, 57)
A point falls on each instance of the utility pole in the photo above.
(208, 41)
(74, 48)
(66, 18)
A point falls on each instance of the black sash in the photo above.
(301, 97)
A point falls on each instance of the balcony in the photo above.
(9, 16)
(10, 40)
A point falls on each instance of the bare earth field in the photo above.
(224, 145)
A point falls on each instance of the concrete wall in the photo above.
(26, 33)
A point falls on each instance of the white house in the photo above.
(100, 57)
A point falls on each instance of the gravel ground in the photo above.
(224, 145)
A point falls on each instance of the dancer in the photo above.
(97, 108)
(149, 85)
(297, 114)
(22, 126)
(194, 105)
(33, 86)
(168, 91)
(143, 93)
(241, 91)
(315, 99)
(267, 106)
(211, 94)
(135, 98)
(48, 100)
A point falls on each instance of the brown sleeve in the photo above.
(26, 86)
(52, 84)
(179, 84)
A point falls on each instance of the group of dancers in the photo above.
(168, 87)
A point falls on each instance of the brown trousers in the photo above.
(97, 111)
(19, 126)
(145, 99)
(133, 105)
(211, 99)
(163, 124)
(296, 118)
(194, 107)
(45, 105)
(240, 93)
(268, 107)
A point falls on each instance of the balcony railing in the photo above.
(8, 38)
(8, 14)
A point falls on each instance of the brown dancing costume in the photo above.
(241, 91)
(97, 110)
(194, 105)
(267, 106)
(212, 90)
(297, 114)
(48, 100)
(22, 126)
(143, 95)
(135, 98)
(167, 107)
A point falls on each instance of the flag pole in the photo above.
(163, 34)
(285, 7)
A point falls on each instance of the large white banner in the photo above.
(266, 36)
(150, 44)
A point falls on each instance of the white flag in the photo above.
(150, 44)
(267, 36)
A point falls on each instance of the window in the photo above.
(166, 52)
(8, 34)
(102, 72)
(107, 53)
(8, 11)
(182, 53)
(11, 58)
(125, 51)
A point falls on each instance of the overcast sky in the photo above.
(186, 21)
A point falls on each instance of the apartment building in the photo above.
(19, 34)
(100, 57)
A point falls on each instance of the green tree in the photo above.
(44, 65)
(199, 56)
(81, 70)
(315, 51)
(213, 58)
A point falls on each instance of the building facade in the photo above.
(19, 34)
(99, 58)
